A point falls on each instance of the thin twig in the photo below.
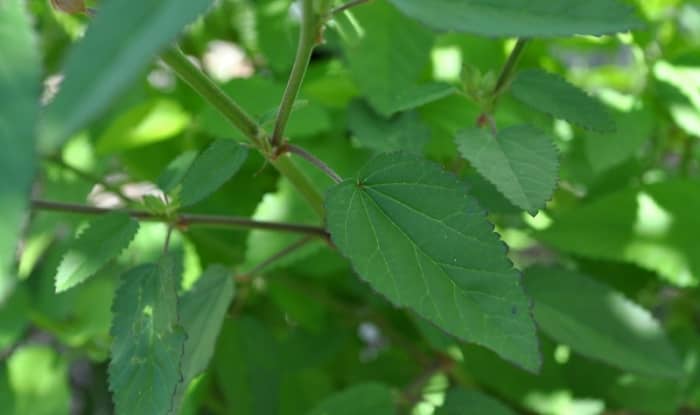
(186, 220)
(412, 393)
(166, 244)
(307, 41)
(277, 256)
(291, 148)
(507, 71)
(348, 5)
(89, 177)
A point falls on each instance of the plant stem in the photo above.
(279, 255)
(508, 69)
(185, 220)
(286, 166)
(88, 177)
(348, 5)
(211, 92)
(307, 41)
(412, 393)
(293, 149)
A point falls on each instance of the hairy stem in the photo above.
(308, 38)
(185, 220)
(301, 182)
(293, 149)
(348, 5)
(508, 69)
(88, 177)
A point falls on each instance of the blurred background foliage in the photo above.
(627, 212)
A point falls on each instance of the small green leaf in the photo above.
(148, 345)
(403, 132)
(521, 162)
(20, 86)
(211, 169)
(104, 239)
(534, 18)
(368, 398)
(599, 322)
(120, 42)
(466, 402)
(176, 171)
(412, 231)
(552, 94)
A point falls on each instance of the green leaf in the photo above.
(146, 123)
(104, 239)
(211, 169)
(403, 132)
(465, 402)
(412, 231)
(599, 322)
(387, 58)
(534, 18)
(522, 162)
(119, 44)
(202, 311)
(367, 398)
(20, 86)
(38, 377)
(148, 345)
(653, 226)
(176, 171)
(552, 94)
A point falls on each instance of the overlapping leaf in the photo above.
(20, 86)
(600, 323)
(412, 231)
(534, 18)
(148, 344)
(521, 162)
(104, 239)
(368, 398)
(404, 132)
(463, 402)
(552, 94)
(120, 42)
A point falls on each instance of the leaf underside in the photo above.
(415, 235)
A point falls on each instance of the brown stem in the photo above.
(296, 150)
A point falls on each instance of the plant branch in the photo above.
(211, 92)
(307, 41)
(293, 149)
(186, 220)
(508, 69)
(277, 256)
(412, 393)
(88, 177)
(346, 6)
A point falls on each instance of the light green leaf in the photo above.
(104, 239)
(534, 18)
(466, 402)
(211, 169)
(522, 162)
(599, 322)
(202, 311)
(403, 132)
(654, 226)
(412, 231)
(552, 94)
(148, 345)
(119, 44)
(388, 57)
(368, 398)
(20, 86)
(145, 124)
(38, 377)
(176, 171)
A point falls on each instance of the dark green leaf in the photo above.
(104, 239)
(535, 18)
(466, 402)
(552, 94)
(403, 132)
(121, 41)
(412, 231)
(522, 163)
(148, 345)
(20, 86)
(211, 169)
(368, 398)
(599, 322)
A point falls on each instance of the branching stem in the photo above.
(318, 163)
(346, 6)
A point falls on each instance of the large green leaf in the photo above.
(120, 42)
(104, 239)
(368, 398)
(464, 402)
(522, 163)
(387, 58)
(211, 169)
(654, 226)
(599, 322)
(412, 231)
(554, 95)
(148, 344)
(20, 86)
(403, 132)
(534, 18)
